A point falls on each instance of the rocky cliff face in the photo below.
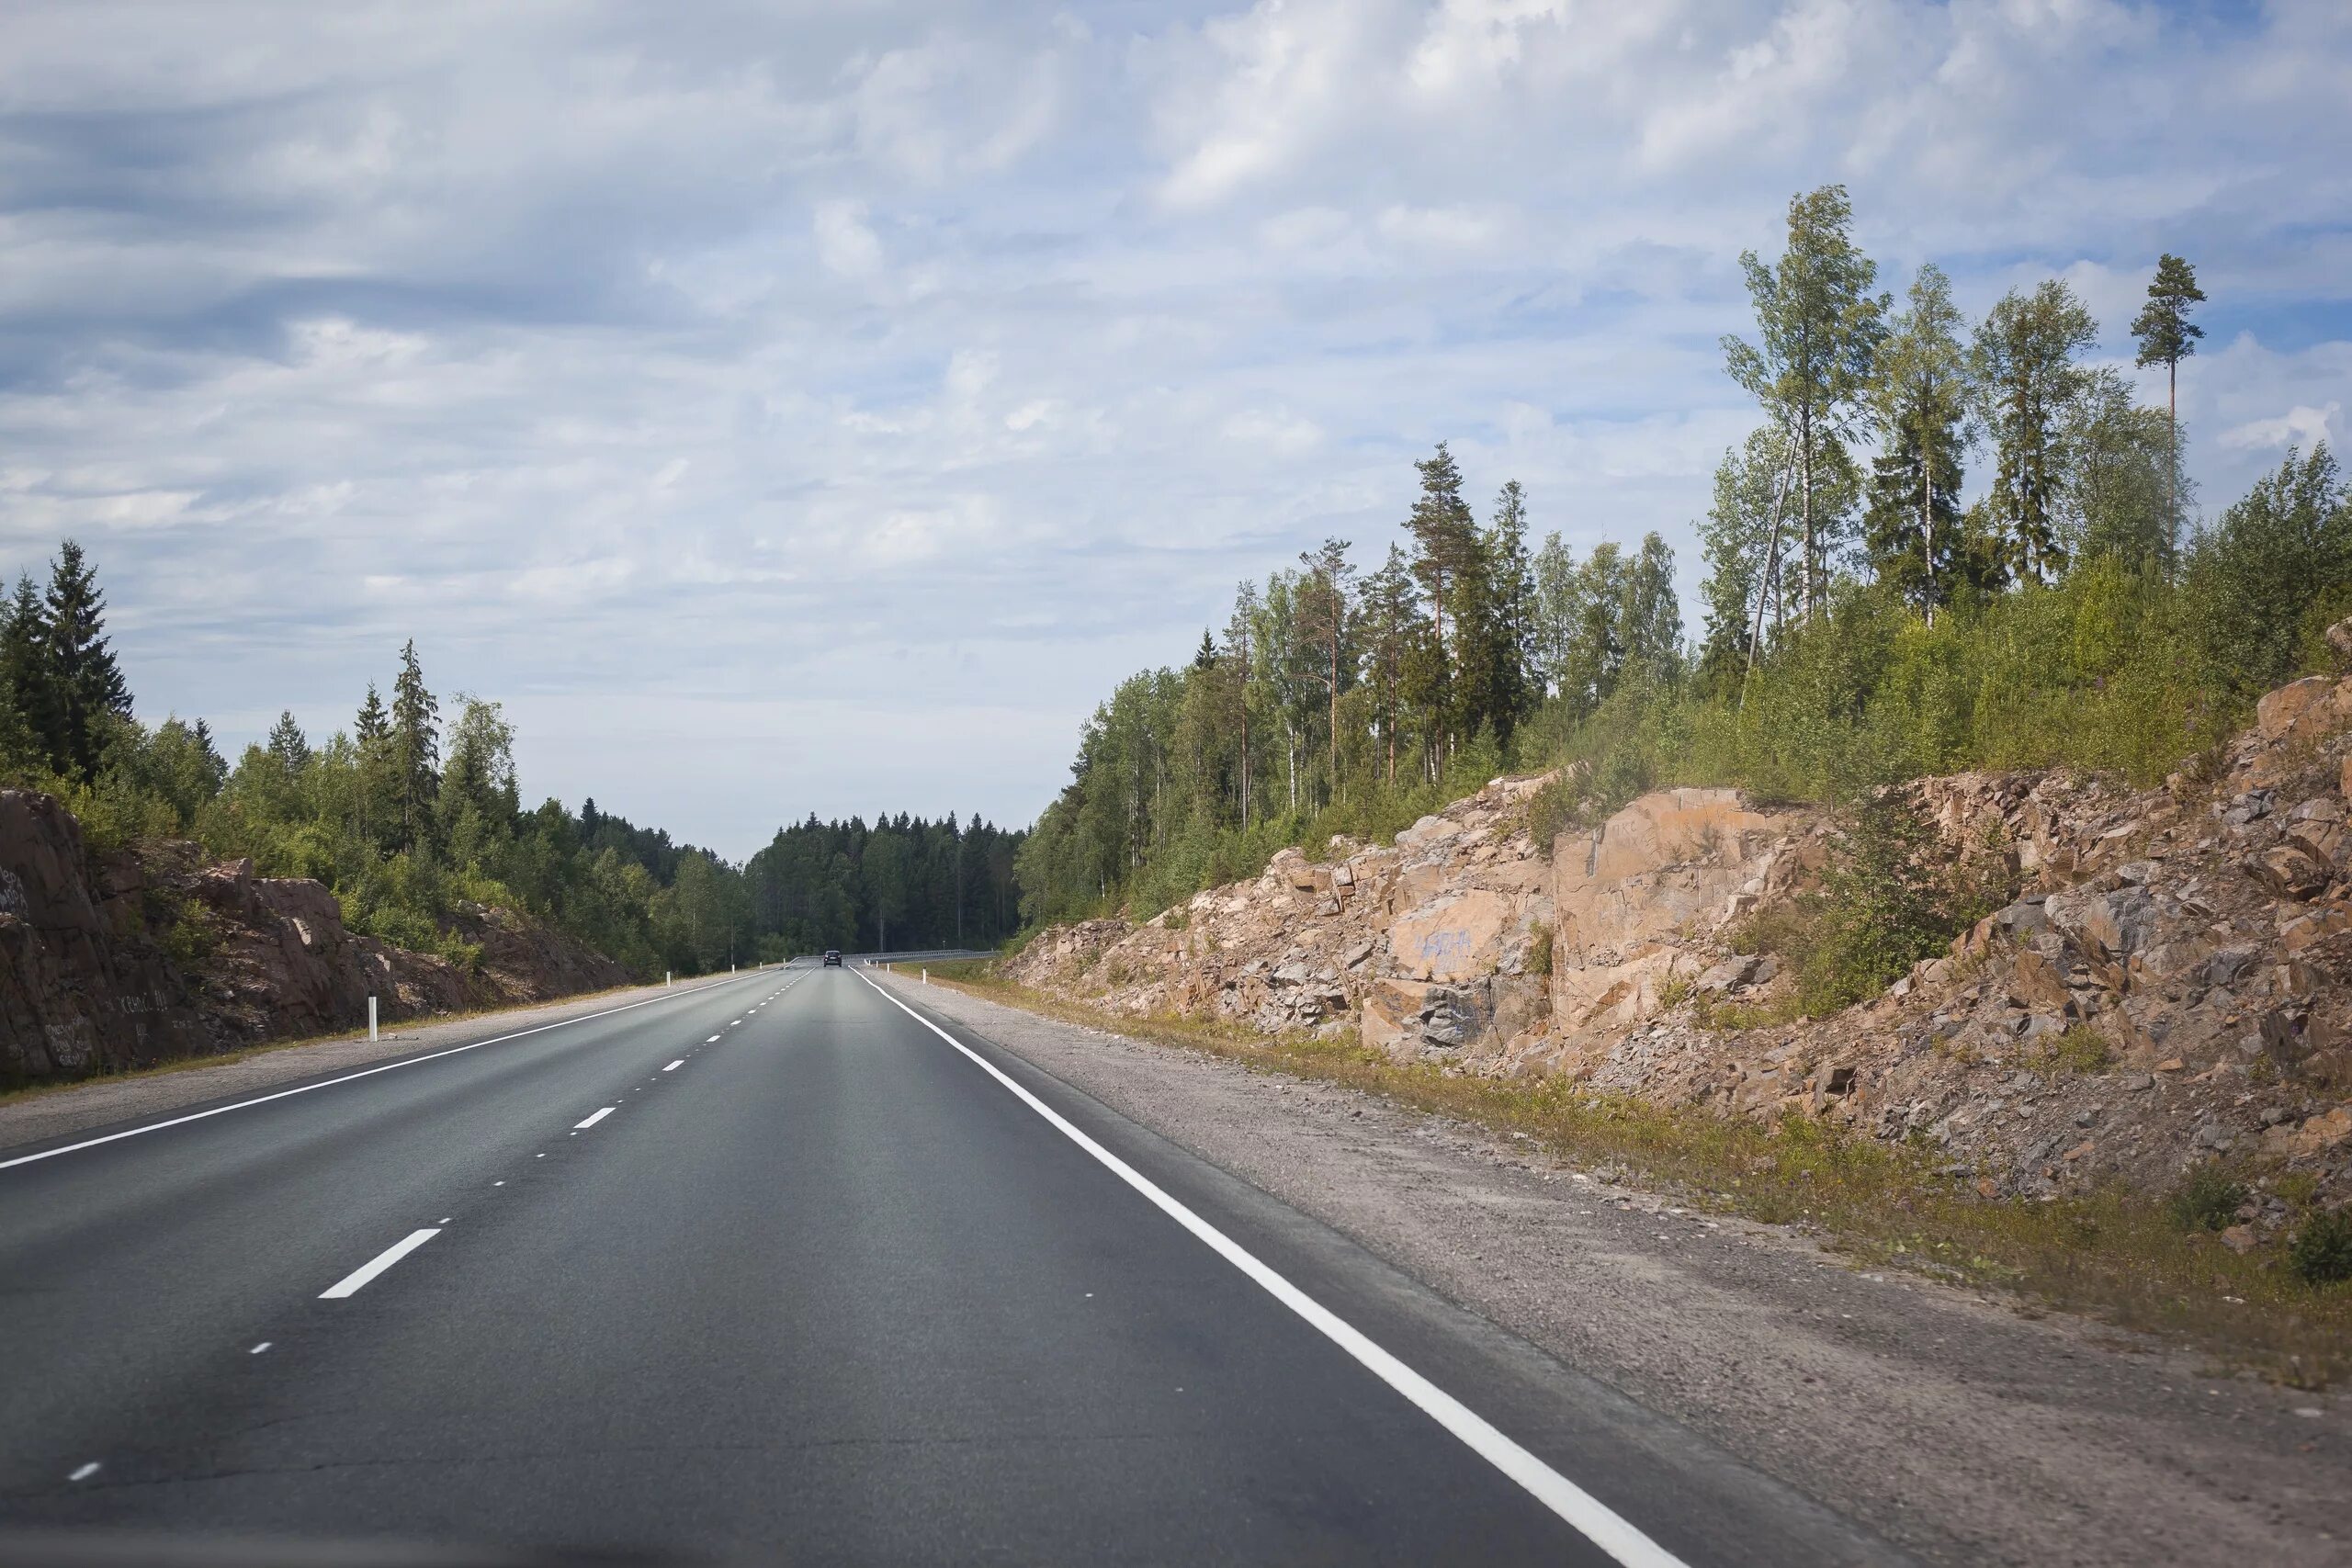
(2174, 982)
(132, 958)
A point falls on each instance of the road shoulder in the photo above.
(1955, 1425)
(107, 1102)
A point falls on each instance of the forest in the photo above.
(411, 812)
(1869, 615)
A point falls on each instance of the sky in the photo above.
(797, 407)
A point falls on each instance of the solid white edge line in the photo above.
(347, 1077)
(1585, 1514)
(593, 1118)
(350, 1283)
(675, 1065)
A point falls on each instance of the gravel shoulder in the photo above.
(81, 1108)
(1967, 1429)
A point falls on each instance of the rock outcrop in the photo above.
(82, 988)
(2173, 982)
(130, 958)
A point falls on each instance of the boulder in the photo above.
(2290, 871)
(2282, 712)
(1731, 974)
(1454, 936)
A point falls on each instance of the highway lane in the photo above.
(778, 1264)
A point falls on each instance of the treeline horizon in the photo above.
(407, 817)
(1863, 621)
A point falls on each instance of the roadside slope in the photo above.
(126, 959)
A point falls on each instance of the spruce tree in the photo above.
(288, 743)
(87, 684)
(21, 755)
(2027, 381)
(1497, 621)
(2167, 337)
(415, 747)
(1391, 615)
(1446, 550)
(373, 729)
(1818, 330)
(1241, 635)
(1918, 397)
(26, 681)
(1326, 612)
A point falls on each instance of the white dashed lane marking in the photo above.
(351, 1283)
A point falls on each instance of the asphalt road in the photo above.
(779, 1267)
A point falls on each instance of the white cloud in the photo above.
(957, 360)
(845, 242)
(2302, 425)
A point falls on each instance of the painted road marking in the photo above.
(347, 1077)
(86, 1471)
(1584, 1513)
(351, 1283)
(675, 1065)
(593, 1118)
(712, 1041)
(260, 1348)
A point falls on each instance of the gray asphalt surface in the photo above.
(828, 1289)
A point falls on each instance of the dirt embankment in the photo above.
(123, 960)
(2173, 982)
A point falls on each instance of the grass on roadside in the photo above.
(2113, 1254)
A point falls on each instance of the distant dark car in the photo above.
(832, 958)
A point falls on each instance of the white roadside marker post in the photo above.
(666, 977)
(371, 1020)
(926, 975)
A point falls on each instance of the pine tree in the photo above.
(1818, 326)
(415, 747)
(2027, 381)
(1918, 396)
(2167, 337)
(87, 683)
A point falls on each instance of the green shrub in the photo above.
(188, 939)
(1891, 898)
(2321, 1252)
(2207, 1199)
(1551, 809)
(2080, 1049)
